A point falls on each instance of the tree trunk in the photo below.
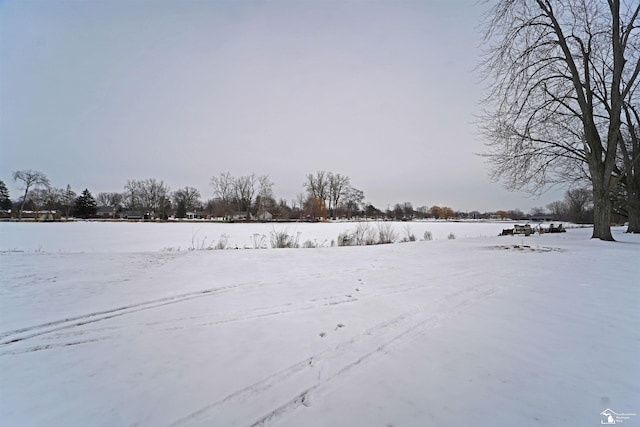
(601, 211)
(24, 200)
(633, 204)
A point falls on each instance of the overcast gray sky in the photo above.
(93, 93)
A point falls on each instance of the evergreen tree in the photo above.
(182, 209)
(5, 201)
(85, 205)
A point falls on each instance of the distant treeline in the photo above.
(251, 197)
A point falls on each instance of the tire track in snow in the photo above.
(50, 346)
(315, 303)
(338, 299)
(414, 330)
(302, 378)
(15, 336)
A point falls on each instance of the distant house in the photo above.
(106, 212)
(197, 215)
(241, 216)
(131, 215)
(44, 216)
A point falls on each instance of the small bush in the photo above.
(427, 235)
(451, 236)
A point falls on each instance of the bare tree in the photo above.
(630, 161)
(265, 194)
(422, 212)
(103, 199)
(318, 185)
(559, 72)
(189, 197)
(46, 198)
(67, 200)
(244, 190)
(338, 188)
(578, 202)
(298, 204)
(30, 179)
(131, 196)
(149, 195)
(557, 209)
(223, 187)
(154, 196)
(111, 199)
(353, 200)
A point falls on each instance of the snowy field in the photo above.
(102, 325)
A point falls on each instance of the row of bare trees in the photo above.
(152, 196)
(249, 194)
(252, 195)
(333, 191)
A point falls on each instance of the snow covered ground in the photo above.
(84, 236)
(101, 326)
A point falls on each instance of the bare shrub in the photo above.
(364, 234)
(282, 239)
(386, 233)
(259, 241)
(451, 236)
(427, 235)
(360, 235)
(314, 244)
(370, 237)
(409, 236)
(344, 239)
(199, 245)
(355, 237)
(222, 242)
